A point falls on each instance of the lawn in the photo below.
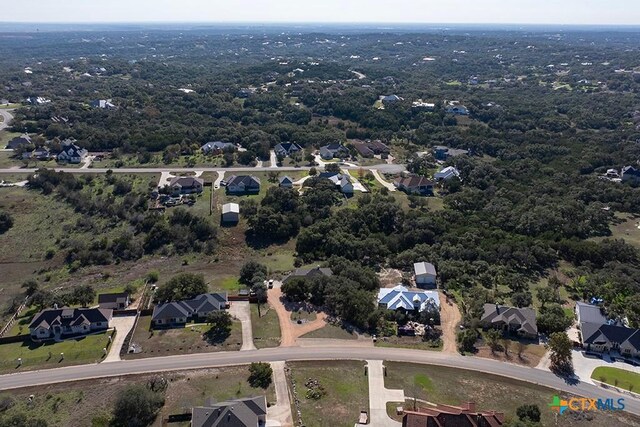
(47, 355)
(408, 342)
(266, 328)
(331, 331)
(617, 377)
(226, 283)
(303, 315)
(85, 403)
(346, 387)
(190, 339)
(452, 386)
(625, 226)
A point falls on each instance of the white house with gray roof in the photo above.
(401, 297)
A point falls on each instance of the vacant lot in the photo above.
(47, 355)
(190, 339)
(266, 328)
(438, 384)
(88, 403)
(617, 377)
(625, 226)
(346, 388)
(331, 331)
(408, 342)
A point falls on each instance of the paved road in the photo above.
(7, 119)
(207, 360)
(381, 167)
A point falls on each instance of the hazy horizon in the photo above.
(412, 12)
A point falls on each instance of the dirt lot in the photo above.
(88, 403)
(190, 339)
(489, 392)
(450, 318)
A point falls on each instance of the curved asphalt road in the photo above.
(7, 119)
(208, 360)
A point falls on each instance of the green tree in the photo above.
(528, 413)
(249, 270)
(30, 287)
(492, 338)
(560, 348)
(6, 221)
(220, 323)
(467, 340)
(136, 406)
(332, 167)
(260, 374)
(182, 286)
(83, 295)
(552, 318)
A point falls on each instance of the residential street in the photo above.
(207, 360)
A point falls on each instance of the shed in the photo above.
(230, 213)
(425, 273)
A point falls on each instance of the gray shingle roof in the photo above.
(201, 304)
(234, 413)
(525, 318)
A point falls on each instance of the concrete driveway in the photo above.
(123, 325)
(280, 413)
(216, 183)
(241, 310)
(7, 117)
(389, 186)
(379, 396)
(273, 159)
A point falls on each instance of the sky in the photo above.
(605, 12)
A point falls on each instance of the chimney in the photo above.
(497, 309)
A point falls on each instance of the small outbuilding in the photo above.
(425, 273)
(230, 213)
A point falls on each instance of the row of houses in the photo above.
(70, 152)
(450, 107)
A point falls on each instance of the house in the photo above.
(519, 320)
(286, 149)
(425, 274)
(114, 301)
(390, 99)
(423, 105)
(42, 153)
(102, 103)
(71, 153)
(308, 272)
(333, 150)
(370, 148)
(441, 152)
(415, 184)
(243, 184)
(286, 182)
(602, 335)
(177, 313)
(38, 100)
(342, 181)
(454, 416)
(247, 412)
(455, 107)
(186, 185)
(400, 297)
(230, 213)
(245, 92)
(19, 141)
(446, 174)
(62, 322)
(217, 147)
(629, 173)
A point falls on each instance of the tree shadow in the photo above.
(216, 336)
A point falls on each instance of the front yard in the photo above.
(266, 328)
(190, 339)
(617, 377)
(78, 351)
(342, 391)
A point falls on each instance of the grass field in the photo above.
(190, 339)
(346, 389)
(451, 386)
(89, 403)
(408, 342)
(617, 377)
(331, 331)
(47, 355)
(266, 328)
(625, 226)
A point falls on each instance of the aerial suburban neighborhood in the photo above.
(318, 225)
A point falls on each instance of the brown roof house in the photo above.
(415, 184)
(452, 416)
(63, 322)
(186, 185)
(248, 412)
(519, 320)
